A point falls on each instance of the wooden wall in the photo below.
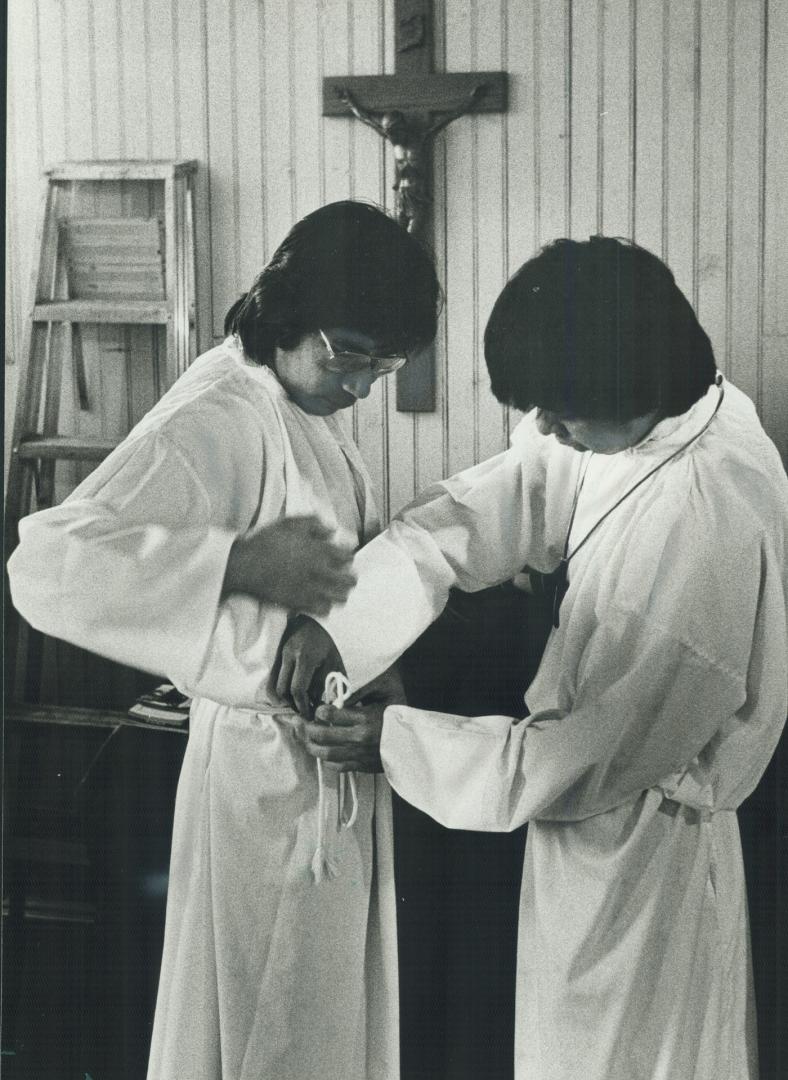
(660, 120)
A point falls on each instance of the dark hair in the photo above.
(597, 329)
(349, 265)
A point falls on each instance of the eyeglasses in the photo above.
(345, 362)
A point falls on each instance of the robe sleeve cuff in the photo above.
(446, 766)
(385, 612)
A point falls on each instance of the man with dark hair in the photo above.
(643, 490)
(597, 329)
(236, 502)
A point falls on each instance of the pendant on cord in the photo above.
(554, 586)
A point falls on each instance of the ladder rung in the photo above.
(83, 229)
(65, 448)
(121, 170)
(122, 285)
(102, 311)
(113, 255)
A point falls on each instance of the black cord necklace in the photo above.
(556, 584)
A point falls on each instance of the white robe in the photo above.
(657, 705)
(266, 975)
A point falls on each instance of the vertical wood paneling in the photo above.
(649, 89)
(679, 148)
(223, 118)
(552, 117)
(489, 230)
(658, 119)
(79, 86)
(193, 129)
(458, 271)
(585, 204)
(615, 120)
(134, 56)
(745, 163)
(308, 103)
(49, 63)
(775, 264)
(163, 78)
(521, 189)
(712, 175)
(519, 145)
(110, 133)
(248, 243)
(336, 139)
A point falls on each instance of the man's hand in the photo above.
(307, 655)
(349, 738)
(387, 689)
(293, 563)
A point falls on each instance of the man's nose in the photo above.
(358, 383)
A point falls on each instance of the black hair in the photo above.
(347, 264)
(597, 329)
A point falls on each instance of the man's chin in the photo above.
(319, 406)
(572, 444)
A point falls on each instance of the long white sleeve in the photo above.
(132, 567)
(687, 693)
(645, 708)
(475, 530)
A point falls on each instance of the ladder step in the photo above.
(102, 311)
(135, 169)
(65, 448)
(85, 231)
(120, 285)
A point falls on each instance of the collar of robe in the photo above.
(556, 584)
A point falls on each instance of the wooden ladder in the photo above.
(115, 245)
(113, 305)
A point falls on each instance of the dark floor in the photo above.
(65, 1024)
(80, 971)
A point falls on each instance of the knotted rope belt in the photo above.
(336, 692)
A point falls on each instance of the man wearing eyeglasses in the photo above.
(235, 503)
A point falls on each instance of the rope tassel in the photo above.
(336, 692)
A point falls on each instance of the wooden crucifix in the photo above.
(409, 109)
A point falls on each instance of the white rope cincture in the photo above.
(336, 692)
(338, 689)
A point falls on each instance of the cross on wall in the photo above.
(409, 109)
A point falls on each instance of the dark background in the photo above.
(81, 968)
